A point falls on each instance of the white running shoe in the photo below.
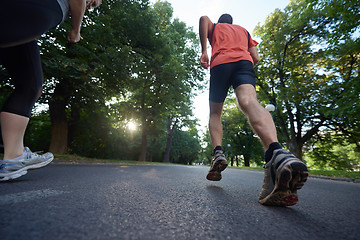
(14, 168)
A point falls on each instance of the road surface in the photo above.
(117, 201)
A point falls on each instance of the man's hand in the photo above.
(254, 54)
(204, 60)
(205, 26)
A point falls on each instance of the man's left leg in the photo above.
(218, 161)
(284, 173)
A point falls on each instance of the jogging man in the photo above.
(233, 57)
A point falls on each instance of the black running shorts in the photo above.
(229, 74)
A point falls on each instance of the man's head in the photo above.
(225, 18)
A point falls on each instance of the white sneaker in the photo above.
(14, 168)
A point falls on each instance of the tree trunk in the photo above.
(151, 150)
(151, 156)
(296, 149)
(171, 131)
(59, 122)
(73, 123)
(143, 148)
(59, 126)
(247, 160)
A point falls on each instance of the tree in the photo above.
(165, 79)
(188, 75)
(342, 54)
(293, 71)
(332, 146)
(171, 128)
(186, 146)
(94, 69)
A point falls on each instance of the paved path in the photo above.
(168, 202)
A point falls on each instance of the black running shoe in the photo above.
(284, 175)
(218, 164)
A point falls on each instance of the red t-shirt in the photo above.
(230, 43)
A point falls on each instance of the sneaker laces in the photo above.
(34, 154)
(218, 152)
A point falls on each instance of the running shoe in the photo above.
(218, 164)
(11, 169)
(284, 175)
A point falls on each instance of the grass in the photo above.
(336, 173)
(248, 168)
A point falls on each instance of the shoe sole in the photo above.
(215, 173)
(38, 165)
(13, 176)
(291, 178)
(23, 171)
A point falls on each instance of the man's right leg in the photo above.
(259, 118)
(284, 173)
(218, 162)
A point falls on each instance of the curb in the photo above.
(356, 180)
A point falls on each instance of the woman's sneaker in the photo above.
(284, 175)
(218, 164)
(11, 169)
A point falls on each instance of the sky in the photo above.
(245, 13)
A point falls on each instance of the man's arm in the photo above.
(205, 26)
(254, 54)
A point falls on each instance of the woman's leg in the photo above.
(24, 66)
(13, 128)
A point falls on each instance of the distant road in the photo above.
(169, 202)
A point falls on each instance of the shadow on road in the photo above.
(216, 191)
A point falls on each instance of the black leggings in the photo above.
(24, 66)
(23, 21)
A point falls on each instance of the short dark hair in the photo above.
(225, 18)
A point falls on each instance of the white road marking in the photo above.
(28, 196)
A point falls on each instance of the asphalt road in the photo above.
(168, 202)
